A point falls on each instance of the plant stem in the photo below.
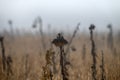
(3, 53)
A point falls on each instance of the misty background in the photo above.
(61, 14)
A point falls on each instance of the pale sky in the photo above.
(61, 13)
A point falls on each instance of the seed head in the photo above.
(59, 41)
(10, 22)
(92, 27)
(34, 26)
(109, 26)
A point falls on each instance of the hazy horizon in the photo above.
(60, 13)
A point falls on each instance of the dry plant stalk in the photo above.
(94, 71)
(84, 52)
(11, 28)
(39, 20)
(103, 77)
(118, 35)
(48, 68)
(27, 70)
(60, 42)
(3, 53)
(74, 33)
(110, 37)
(54, 64)
(9, 65)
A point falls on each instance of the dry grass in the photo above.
(79, 70)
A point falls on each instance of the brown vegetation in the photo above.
(27, 60)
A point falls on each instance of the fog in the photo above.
(61, 14)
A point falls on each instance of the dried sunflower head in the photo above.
(59, 41)
(92, 27)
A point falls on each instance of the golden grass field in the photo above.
(28, 57)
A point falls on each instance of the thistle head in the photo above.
(92, 27)
(10, 22)
(59, 41)
(109, 26)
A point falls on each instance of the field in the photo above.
(27, 57)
